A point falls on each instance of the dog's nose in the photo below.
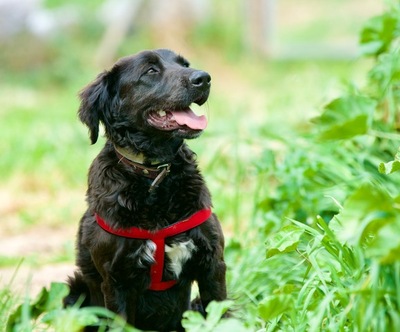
(200, 79)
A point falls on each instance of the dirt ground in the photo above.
(41, 243)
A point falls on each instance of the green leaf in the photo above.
(215, 310)
(379, 33)
(55, 296)
(386, 72)
(274, 306)
(70, 319)
(385, 245)
(347, 129)
(286, 240)
(193, 321)
(231, 325)
(372, 47)
(391, 166)
(46, 300)
(346, 117)
(370, 219)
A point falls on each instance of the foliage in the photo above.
(334, 263)
(195, 322)
(391, 166)
(6, 304)
(381, 33)
(353, 134)
(46, 312)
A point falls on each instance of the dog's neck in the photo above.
(155, 171)
(138, 158)
(146, 149)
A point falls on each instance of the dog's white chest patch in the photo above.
(178, 254)
(145, 254)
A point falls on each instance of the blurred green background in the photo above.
(273, 65)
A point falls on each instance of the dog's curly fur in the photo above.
(114, 271)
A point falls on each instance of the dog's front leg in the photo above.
(212, 284)
(119, 298)
(211, 277)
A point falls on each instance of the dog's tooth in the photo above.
(162, 113)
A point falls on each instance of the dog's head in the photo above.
(146, 95)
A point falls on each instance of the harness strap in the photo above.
(158, 237)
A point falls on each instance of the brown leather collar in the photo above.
(156, 172)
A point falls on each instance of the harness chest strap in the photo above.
(158, 237)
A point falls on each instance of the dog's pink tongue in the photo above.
(190, 119)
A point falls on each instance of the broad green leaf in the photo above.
(70, 319)
(345, 117)
(346, 129)
(215, 310)
(370, 219)
(231, 325)
(372, 47)
(46, 300)
(275, 305)
(55, 296)
(385, 245)
(378, 34)
(366, 215)
(286, 240)
(386, 72)
(194, 321)
(391, 166)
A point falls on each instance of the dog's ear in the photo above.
(96, 103)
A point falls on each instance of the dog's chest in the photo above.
(176, 254)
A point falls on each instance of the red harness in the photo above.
(158, 237)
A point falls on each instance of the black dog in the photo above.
(149, 231)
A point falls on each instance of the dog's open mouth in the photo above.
(177, 119)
